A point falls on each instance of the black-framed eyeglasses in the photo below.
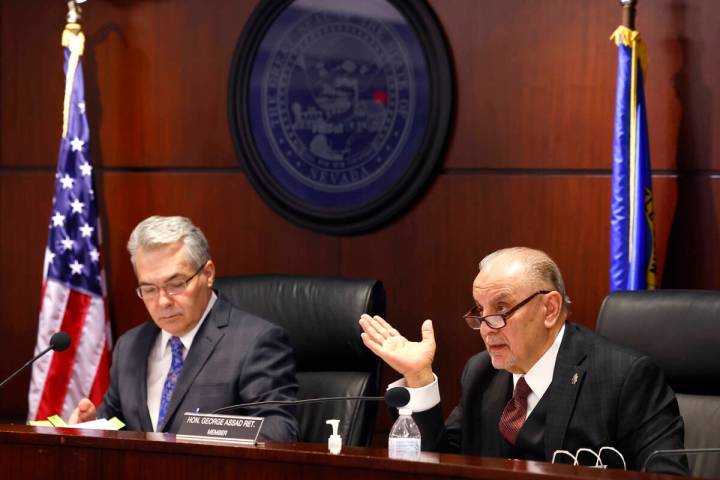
(496, 320)
(150, 292)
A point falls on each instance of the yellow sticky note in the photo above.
(39, 423)
(116, 422)
(56, 421)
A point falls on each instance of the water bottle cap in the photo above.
(405, 411)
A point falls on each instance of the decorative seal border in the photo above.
(339, 109)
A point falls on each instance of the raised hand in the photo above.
(413, 360)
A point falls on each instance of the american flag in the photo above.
(73, 290)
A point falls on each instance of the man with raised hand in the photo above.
(542, 384)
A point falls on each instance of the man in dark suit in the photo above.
(542, 384)
(199, 352)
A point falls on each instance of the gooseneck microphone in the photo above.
(395, 397)
(58, 342)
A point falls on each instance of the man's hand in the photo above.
(413, 360)
(84, 412)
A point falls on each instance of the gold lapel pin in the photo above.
(574, 378)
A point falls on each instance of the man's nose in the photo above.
(163, 298)
(486, 330)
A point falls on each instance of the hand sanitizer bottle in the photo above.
(335, 440)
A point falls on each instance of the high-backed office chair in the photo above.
(320, 316)
(680, 330)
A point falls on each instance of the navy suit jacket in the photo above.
(235, 358)
(601, 395)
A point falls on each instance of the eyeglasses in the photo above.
(150, 292)
(496, 320)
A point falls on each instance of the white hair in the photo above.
(540, 267)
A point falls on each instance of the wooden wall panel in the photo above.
(31, 86)
(25, 199)
(528, 160)
(683, 82)
(162, 72)
(156, 75)
(692, 259)
(532, 78)
(536, 82)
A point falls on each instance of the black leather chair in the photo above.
(680, 330)
(320, 315)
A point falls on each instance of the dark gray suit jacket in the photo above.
(619, 398)
(235, 358)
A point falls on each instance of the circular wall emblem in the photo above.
(339, 109)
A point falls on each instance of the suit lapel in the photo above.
(498, 393)
(138, 363)
(207, 337)
(567, 380)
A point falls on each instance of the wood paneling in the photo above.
(31, 87)
(536, 82)
(527, 163)
(25, 200)
(533, 78)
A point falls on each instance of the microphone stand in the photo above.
(293, 402)
(395, 397)
(26, 364)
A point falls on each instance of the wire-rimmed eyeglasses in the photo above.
(150, 292)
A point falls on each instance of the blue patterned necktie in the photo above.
(172, 376)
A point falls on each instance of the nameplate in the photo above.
(223, 428)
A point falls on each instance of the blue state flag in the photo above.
(632, 229)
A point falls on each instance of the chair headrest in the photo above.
(319, 314)
(678, 329)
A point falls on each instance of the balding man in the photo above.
(543, 383)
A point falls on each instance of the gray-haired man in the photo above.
(199, 352)
(542, 384)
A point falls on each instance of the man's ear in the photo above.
(553, 308)
(210, 273)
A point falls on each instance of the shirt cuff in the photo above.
(423, 398)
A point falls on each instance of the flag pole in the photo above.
(628, 13)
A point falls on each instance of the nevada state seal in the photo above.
(339, 109)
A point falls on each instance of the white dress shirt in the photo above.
(540, 375)
(538, 378)
(160, 359)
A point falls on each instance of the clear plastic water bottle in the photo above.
(404, 438)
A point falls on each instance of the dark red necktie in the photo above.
(513, 417)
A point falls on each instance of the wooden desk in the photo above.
(38, 452)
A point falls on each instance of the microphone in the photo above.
(58, 342)
(395, 397)
(677, 451)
